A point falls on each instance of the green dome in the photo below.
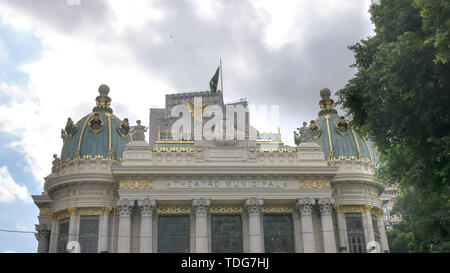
(334, 134)
(99, 134)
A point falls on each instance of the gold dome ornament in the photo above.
(96, 123)
(342, 126)
(124, 128)
(70, 129)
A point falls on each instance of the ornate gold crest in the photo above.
(315, 128)
(342, 126)
(96, 123)
(124, 128)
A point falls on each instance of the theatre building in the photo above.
(110, 190)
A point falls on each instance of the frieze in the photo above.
(227, 184)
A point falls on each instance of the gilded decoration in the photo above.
(315, 185)
(226, 209)
(358, 209)
(173, 210)
(277, 209)
(61, 215)
(279, 150)
(90, 211)
(107, 210)
(96, 123)
(45, 212)
(124, 128)
(135, 185)
(173, 149)
(342, 126)
(315, 128)
(72, 211)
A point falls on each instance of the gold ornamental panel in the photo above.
(277, 209)
(135, 185)
(90, 211)
(315, 184)
(45, 212)
(226, 209)
(173, 210)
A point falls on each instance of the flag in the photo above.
(214, 82)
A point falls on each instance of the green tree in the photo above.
(400, 97)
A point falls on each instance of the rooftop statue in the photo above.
(138, 132)
(306, 134)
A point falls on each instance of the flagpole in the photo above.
(221, 77)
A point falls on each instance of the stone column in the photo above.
(329, 239)
(125, 207)
(43, 236)
(200, 208)
(103, 235)
(253, 207)
(53, 235)
(73, 224)
(342, 229)
(305, 206)
(383, 237)
(147, 208)
(368, 226)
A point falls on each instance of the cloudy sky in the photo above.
(55, 53)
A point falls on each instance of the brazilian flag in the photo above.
(214, 82)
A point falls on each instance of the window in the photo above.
(278, 233)
(375, 228)
(63, 235)
(173, 234)
(226, 233)
(355, 233)
(88, 236)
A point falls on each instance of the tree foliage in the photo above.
(400, 97)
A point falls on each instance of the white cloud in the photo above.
(10, 191)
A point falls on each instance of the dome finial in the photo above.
(103, 90)
(103, 101)
(326, 104)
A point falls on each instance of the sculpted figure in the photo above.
(138, 132)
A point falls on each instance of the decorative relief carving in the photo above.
(90, 211)
(43, 232)
(107, 210)
(135, 185)
(201, 206)
(125, 207)
(305, 205)
(226, 209)
(147, 206)
(277, 209)
(173, 210)
(315, 185)
(325, 205)
(45, 212)
(72, 211)
(358, 209)
(253, 205)
(368, 208)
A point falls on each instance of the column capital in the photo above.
(43, 232)
(125, 207)
(325, 205)
(147, 206)
(201, 206)
(253, 205)
(72, 211)
(305, 205)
